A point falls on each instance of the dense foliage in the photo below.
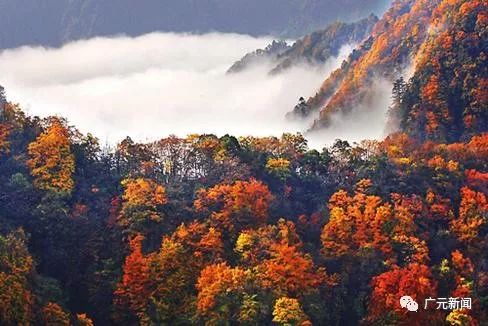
(251, 230)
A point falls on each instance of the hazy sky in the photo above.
(161, 83)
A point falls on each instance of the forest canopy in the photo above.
(207, 229)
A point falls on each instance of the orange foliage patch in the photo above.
(416, 281)
(133, 291)
(289, 271)
(215, 280)
(233, 206)
(472, 216)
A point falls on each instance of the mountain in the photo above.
(314, 48)
(447, 97)
(209, 230)
(319, 46)
(271, 52)
(444, 43)
(54, 22)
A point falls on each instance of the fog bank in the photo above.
(159, 84)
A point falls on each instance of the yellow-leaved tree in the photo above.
(287, 311)
(51, 161)
(141, 210)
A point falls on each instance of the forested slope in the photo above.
(313, 49)
(443, 44)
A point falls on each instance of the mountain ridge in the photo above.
(314, 48)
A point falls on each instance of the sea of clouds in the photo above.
(151, 86)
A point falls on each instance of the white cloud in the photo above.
(158, 84)
(366, 121)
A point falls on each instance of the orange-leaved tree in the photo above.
(235, 206)
(175, 268)
(217, 286)
(466, 281)
(254, 245)
(132, 292)
(83, 320)
(53, 314)
(365, 221)
(5, 131)
(290, 272)
(472, 218)
(414, 280)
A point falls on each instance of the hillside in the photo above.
(203, 230)
(314, 48)
(444, 43)
(446, 99)
(54, 22)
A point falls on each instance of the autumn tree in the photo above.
(130, 156)
(365, 221)
(174, 272)
(466, 281)
(219, 290)
(159, 287)
(460, 317)
(287, 311)
(290, 272)
(280, 267)
(53, 314)
(279, 167)
(16, 272)
(289, 146)
(472, 218)
(142, 202)
(235, 206)
(51, 161)
(133, 290)
(175, 267)
(5, 131)
(83, 320)
(253, 246)
(415, 280)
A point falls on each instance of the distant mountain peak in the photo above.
(270, 52)
(314, 48)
